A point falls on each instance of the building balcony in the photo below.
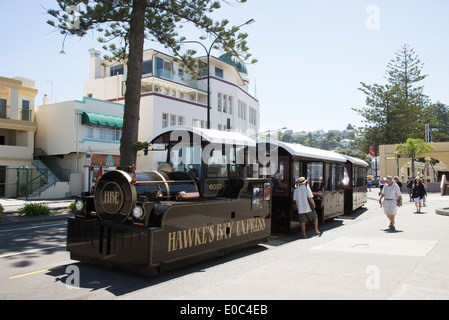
(21, 114)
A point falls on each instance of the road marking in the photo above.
(34, 227)
(29, 251)
(29, 274)
(34, 272)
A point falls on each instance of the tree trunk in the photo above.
(128, 154)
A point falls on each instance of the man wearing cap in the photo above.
(393, 199)
(301, 197)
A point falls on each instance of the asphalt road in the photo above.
(356, 257)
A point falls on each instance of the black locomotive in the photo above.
(201, 202)
(215, 192)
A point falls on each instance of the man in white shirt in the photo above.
(393, 200)
(301, 197)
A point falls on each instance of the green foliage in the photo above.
(140, 145)
(398, 109)
(163, 21)
(331, 140)
(414, 147)
(35, 209)
(71, 206)
(2, 211)
(439, 122)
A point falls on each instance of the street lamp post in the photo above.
(208, 51)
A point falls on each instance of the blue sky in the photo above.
(312, 54)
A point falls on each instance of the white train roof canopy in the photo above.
(173, 134)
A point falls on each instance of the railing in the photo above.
(25, 182)
(49, 164)
(3, 112)
(23, 114)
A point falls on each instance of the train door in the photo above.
(315, 178)
(281, 194)
(333, 191)
(349, 183)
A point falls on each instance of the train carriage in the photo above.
(325, 172)
(355, 183)
(199, 203)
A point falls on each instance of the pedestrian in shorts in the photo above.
(392, 200)
(304, 204)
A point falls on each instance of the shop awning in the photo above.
(101, 120)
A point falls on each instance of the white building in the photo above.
(79, 136)
(170, 97)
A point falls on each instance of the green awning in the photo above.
(101, 120)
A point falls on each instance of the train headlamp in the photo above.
(79, 205)
(138, 212)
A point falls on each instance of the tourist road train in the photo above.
(215, 192)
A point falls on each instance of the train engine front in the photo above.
(144, 221)
(128, 198)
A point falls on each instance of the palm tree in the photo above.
(413, 147)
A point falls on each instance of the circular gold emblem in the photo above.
(112, 197)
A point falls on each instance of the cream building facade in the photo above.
(80, 135)
(391, 165)
(17, 130)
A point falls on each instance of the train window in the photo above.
(339, 176)
(315, 175)
(297, 169)
(346, 177)
(216, 162)
(280, 178)
(334, 176)
(236, 155)
(186, 159)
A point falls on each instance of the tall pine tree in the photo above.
(130, 22)
(397, 110)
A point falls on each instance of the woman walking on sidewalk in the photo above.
(418, 193)
(393, 199)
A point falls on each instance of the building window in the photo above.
(3, 108)
(147, 67)
(115, 70)
(26, 112)
(173, 118)
(198, 123)
(102, 133)
(225, 103)
(219, 72)
(242, 110)
(230, 105)
(219, 101)
(252, 116)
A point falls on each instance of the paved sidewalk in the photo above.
(356, 257)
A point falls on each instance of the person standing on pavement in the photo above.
(303, 203)
(381, 185)
(419, 192)
(393, 200)
(410, 188)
